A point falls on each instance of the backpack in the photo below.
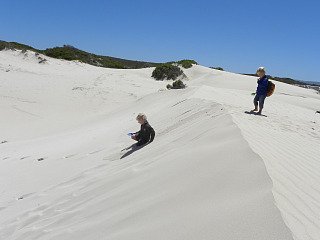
(271, 88)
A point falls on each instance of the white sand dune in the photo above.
(213, 172)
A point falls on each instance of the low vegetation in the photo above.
(14, 45)
(166, 71)
(187, 63)
(218, 68)
(68, 52)
(178, 84)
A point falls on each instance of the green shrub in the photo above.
(166, 71)
(187, 63)
(14, 45)
(218, 68)
(176, 85)
(66, 53)
(69, 52)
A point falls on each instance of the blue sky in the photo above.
(283, 36)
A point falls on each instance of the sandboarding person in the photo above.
(146, 133)
(261, 92)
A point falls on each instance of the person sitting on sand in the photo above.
(146, 133)
(261, 92)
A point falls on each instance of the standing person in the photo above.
(146, 133)
(262, 90)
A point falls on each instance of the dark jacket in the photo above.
(145, 135)
(262, 88)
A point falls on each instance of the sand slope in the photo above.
(63, 174)
(288, 140)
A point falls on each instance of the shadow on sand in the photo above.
(131, 149)
(255, 113)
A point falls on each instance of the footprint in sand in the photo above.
(25, 196)
(100, 150)
(41, 159)
(69, 156)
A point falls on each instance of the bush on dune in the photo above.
(69, 53)
(218, 68)
(166, 71)
(187, 63)
(176, 85)
(14, 45)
